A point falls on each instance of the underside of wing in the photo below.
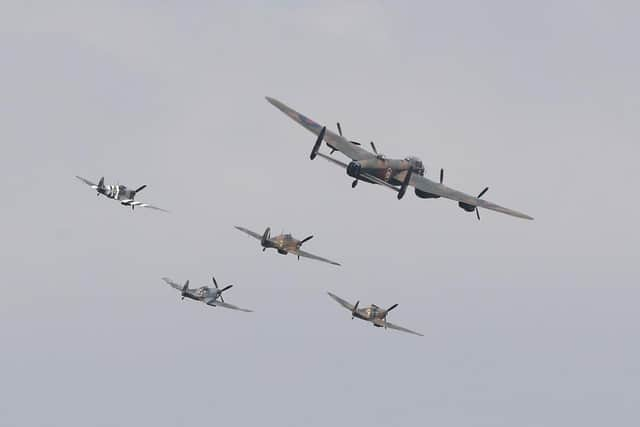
(334, 140)
(86, 181)
(249, 232)
(172, 283)
(147, 205)
(396, 327)
(428, 186)
(233, 307)
(311, 256)
(215, 303)
(342, 302)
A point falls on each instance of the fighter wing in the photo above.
(215, 303)
(353, 151)
(428, 186)
(311, 256)
(342, 302)
(396, 327)
(172, 283)
(249, 232)
(142, 205)
(86, 181)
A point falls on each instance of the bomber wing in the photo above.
(86, 181)
(396, 327)
(215, 303)
(340, 143)
(311, 256)
(428, 186)
(249, 232)
(342, 302)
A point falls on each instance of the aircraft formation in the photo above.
(367, 166)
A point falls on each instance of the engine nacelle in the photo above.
(282, 252)
(467, 207)
(426, 195)
(354, 169)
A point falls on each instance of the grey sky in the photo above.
(526, 323)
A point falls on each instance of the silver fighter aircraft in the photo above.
(395, 174)
(124, 195)
(284, 244)
(205, 294)
(374, 314)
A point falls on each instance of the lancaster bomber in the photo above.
(124, 195)
(374, 314)
(210, 296)
(395, 174)
(284, 244)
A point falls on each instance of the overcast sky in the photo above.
(526, 323)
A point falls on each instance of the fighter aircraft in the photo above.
(118, 192)
(395, 174)
(205, 294)
(374, 314)
(284, 244)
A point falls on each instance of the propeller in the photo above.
(480, 195)
(100, 186)
(387, 312)
(355, 309)
(333, 149)
(140, 188)
(184, 289)
(316, 146)
(222, 290)
(301, 242)
(304, 240)
(373, 146)
(441, 175)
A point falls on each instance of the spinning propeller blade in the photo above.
(441, 175)
(480, 195)
(222, 290)
(305, 240)
(316, 146)
(355, 309)
(184, 289)
(140, 188)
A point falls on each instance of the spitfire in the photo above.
(374, 314)
(284, 244)
(208, 295)
(395, 174)
(124, 195)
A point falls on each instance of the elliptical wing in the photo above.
(249, 232)
(342, 302)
